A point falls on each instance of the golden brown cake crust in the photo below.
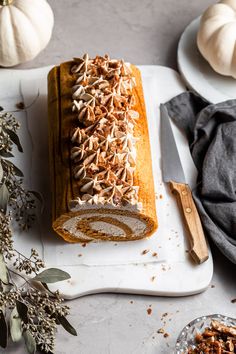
(62, 121)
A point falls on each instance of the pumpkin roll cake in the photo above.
(100, 158)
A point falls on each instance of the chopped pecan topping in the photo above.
(217, 339)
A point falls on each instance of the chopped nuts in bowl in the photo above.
(213, 334)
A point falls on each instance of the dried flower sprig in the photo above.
(29, 310)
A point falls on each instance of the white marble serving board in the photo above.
(103, 267)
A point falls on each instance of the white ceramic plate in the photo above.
(196, 71)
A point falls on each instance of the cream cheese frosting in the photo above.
(103, 144)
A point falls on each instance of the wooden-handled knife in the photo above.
(174, 175)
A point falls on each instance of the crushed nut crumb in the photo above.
(161, 330)
(20, 105)
(149, 311)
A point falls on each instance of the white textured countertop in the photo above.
(142, 32)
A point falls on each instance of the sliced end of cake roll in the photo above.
(100, 158)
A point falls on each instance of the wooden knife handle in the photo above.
(198, 247)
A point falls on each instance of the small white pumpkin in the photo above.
(25, 29)
(216, 37)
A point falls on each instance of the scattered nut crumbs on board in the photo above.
(145, 252)
(154, 254)
(233, 301)
(163, 267)
(153, 278)
(84, 244)
(80, 255)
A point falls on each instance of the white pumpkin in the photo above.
(25, 29)
(216, 37)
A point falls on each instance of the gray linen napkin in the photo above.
(211, 132)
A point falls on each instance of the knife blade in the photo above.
(173, 174)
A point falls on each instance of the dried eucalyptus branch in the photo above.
(30, 310)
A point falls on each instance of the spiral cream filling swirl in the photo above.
(103, 144)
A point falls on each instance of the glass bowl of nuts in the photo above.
(208, 334)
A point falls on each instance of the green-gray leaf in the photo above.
(15, 326)
(52, 275)
(4, 153)
(3, 270)
(16, 170)
(14, 138)
(4, 197)
(66, 325)
(22, 311)
(39, 196)
(29, 342)
(3, 331)
(1, 172)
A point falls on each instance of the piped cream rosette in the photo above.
(100, 153)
